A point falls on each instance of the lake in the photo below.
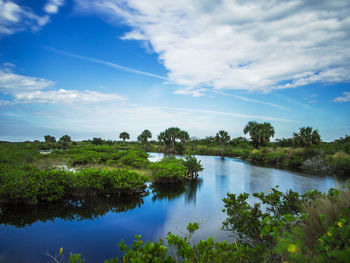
(95, 227)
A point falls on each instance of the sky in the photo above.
(96, 68)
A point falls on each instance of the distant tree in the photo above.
(109, 142)
(49, 139)
(259, 133)
(239, 141)
(144, 136)
(97, 141)
(306, 137)
(124, 136)
(65, 139)
(223, 138)
(285, 142)
(170, 136)
(183, 136)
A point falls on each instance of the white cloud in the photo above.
(15, 18)
(26, 89)
(66, 96)
(11, 83)
(52, 6)
(344, 98)
(254, 45)
(193, 92)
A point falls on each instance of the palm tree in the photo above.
(223, 138)
(169, 137)
(143, 137)
(259, 133)
(306, 137)
(124, 136)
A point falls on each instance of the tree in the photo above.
(223, 138)
(193, 166)
(144, 136)
(97, 141)
(65, 139)
(259, 133)
(170, 136)
(183, 136)
(306, 137)
(124, 136)
(239, 141)
(49, 139)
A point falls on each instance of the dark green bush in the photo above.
(168, 170)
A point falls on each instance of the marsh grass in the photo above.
(324, 212)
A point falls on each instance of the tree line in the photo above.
(260, 134)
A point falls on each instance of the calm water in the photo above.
(95, 227)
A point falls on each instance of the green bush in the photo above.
(168, 170)
(135, 158)
(33, 186)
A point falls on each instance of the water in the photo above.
(95, 227)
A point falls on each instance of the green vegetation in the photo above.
(33, 185)
(222, 138)
(124, 136)
(168, 170)
(306, 137)
(312, 227)
(173, 140)
(82, 171)
(49, 139)
(259, 133)
(144, 136)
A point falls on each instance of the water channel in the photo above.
(95, 227)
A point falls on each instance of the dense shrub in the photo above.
(135, 158)
(33, 186)
(168, 170)
(340, 162)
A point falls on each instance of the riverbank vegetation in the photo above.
(30, 176)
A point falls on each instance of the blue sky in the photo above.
(96, 68)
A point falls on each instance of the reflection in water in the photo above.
(221, 174)
(71, 210)
(259, 179)
(169, 192)
(191, 190)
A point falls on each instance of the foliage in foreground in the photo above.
(312, 227)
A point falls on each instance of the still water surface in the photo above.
(95, 227)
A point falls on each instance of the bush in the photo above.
(168, 170)
(34, 186)
(135, 158)
(340, 162)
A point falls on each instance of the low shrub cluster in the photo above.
(339, 162)
(168, 170)
(88, 155)
(33, 186)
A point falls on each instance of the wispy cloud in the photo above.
(15, 18)
(232, 114)
(253, 45)
(27, 89)
(106, 63)
(344, 98)
(52, 6)
(252, 100)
